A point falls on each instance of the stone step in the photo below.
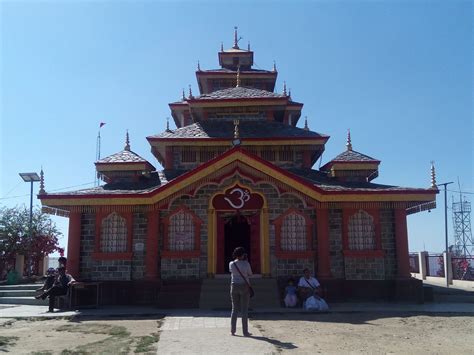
(21, 287)
(457, 298)
(17, 293)
(23, 300)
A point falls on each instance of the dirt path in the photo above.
(369, 333)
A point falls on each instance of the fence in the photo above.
(414, 263)
(463, 268)
(435, 265)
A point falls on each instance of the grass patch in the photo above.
(7, 341)
(95, 328)
(145, 343)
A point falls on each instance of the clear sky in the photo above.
(397, 73)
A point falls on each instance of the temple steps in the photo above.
(215, 294)
(20, 294)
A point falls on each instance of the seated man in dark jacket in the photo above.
(60, 287)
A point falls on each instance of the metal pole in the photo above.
(30, 232)
(446, 227)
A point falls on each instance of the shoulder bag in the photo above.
(251, 291)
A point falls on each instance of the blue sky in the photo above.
(397, 73)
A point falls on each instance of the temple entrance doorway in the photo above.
(236, 234)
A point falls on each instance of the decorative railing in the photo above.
(434, 265)
(463, 268)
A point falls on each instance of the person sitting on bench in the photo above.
(60, 288)
(308, 286)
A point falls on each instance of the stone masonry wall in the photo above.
(180, 268)
(139, 245)
(335, 243)
(366, 268)
(387, 226)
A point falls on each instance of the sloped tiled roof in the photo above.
(239, 93)
(246, 71)
(353, 156)
(247, 129)
(125, 156)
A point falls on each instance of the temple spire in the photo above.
(184, 96)
(168, 124)
(236, 41)
(127, 141)
(289, 93)
(190, 93)
(248, 46)
(274, 66)
(42, 190)
(284, 88)
(238, 77)
(306, 123)
(349, 142)
(433, 176)
(222, 46)
(199, 66)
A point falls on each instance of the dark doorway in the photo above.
(236, 234)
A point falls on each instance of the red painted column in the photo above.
(322, 224)
(74, 244)
(401, 243)
(151, 255)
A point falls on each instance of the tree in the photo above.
(16, 239)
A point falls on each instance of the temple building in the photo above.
(238, 171)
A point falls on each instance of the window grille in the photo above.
(285, 154)
(293, 233)
(361, 231)
(188, 155)
(268, 154)
(113, 237)
(181, 232)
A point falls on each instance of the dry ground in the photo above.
(331, 333)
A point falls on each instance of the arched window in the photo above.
(113, 234)
(181, 231)
(293, 232)
(361, 231)
(293, 235)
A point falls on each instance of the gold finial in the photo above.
(238, 77)
(306, 123)
(236, 41)
(248, 46)
(349, 142)
(274, 66)
(168, 124)
(433, 176)
(199, 66)
(284, 88)
(190, 93)
(41, 190)
(222, 46)
(236, 129)
(127, 141)
(184, 96)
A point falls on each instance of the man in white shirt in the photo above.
(308, 286)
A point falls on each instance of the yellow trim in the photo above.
(298, 186)
(121, 167)
(358, 166)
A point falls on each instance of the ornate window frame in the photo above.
(176, 254)
(100, 255)
(285, 254)
(377, 251)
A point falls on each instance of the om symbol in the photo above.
(242, 196)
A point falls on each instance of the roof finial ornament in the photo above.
(42, 190)
(238, 77)
(248, 46)
(349, 142)
(284, 88)
(433, 176)
(168, 124)
(190, 93)
(306, 123)
(289, 93)
(236, 41)
(184, 96)
(199, 66)
(127, 141)
(222, 46)
(236, 129)
(274, 66)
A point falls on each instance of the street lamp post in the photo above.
(31, 178)
(446, 225)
